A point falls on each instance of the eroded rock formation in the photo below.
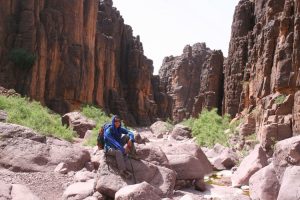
(84, 54)
(262, 69)
(194, 81)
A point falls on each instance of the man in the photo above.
(118, 142)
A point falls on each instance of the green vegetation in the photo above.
(100, 118)
(280, 99)
(22, 58)
(251, 137)
(170, 124)
(209, 128)
(34, 115)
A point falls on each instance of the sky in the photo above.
(165, 27)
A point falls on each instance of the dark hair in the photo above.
(117, 117)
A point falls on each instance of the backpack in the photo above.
(100, 138)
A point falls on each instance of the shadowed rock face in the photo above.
(84, 54)
(194, 80)
(263, 59)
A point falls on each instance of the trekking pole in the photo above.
(132, 169)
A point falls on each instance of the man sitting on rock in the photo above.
(118, 142)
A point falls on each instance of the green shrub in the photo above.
(22, 58)
(209, 128)
(34, 115)
(280, 99)
(100, 118)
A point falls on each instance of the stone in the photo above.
(79, 190)
(78, 122)
(182, 165)
(159, 128)
(83, 176)
(3, 116)
(61, 168)
(181, 132)
(109, 180)
(256, 160)
(286, 153)
(22, 149)
(222, 157)
(22, 192)
(5, 190)
(138, 191)
(264, 184)
(152, 154)
(290, 186)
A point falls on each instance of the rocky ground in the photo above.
(45, 185)
(168, 165)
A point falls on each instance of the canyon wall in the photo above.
(262, 69)
(84, 54)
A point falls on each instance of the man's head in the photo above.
(117, 121)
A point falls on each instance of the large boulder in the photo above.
(152, 154)
(222, 157)
(22, 149)
(256, 160)
(183, 155)
(187, 166)
(159, 128)
(79, 190)
(286, 153)
(264, 184)
(181, 132)
(109, 180)
(78, 122)
(290, 185)
(138, 192)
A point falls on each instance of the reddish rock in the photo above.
(138, 191)
(222, 157)
(261, 71)
(181, 132)
(109, 181)
(84, 54)
(79, 190)
(286, 153)
(255, 161)
(19, 192)
(24, 150)
(248, 126)
(152, 154)
(264, 184)
(78, 122)
(290, 186)
(194, 80)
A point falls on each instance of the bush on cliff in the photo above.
(33, 115)
(209, 128)
(22, 58)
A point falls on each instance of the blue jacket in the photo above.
(112, 137)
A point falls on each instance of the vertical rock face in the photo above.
(194, 80)
(84, 54)
(262, 70)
